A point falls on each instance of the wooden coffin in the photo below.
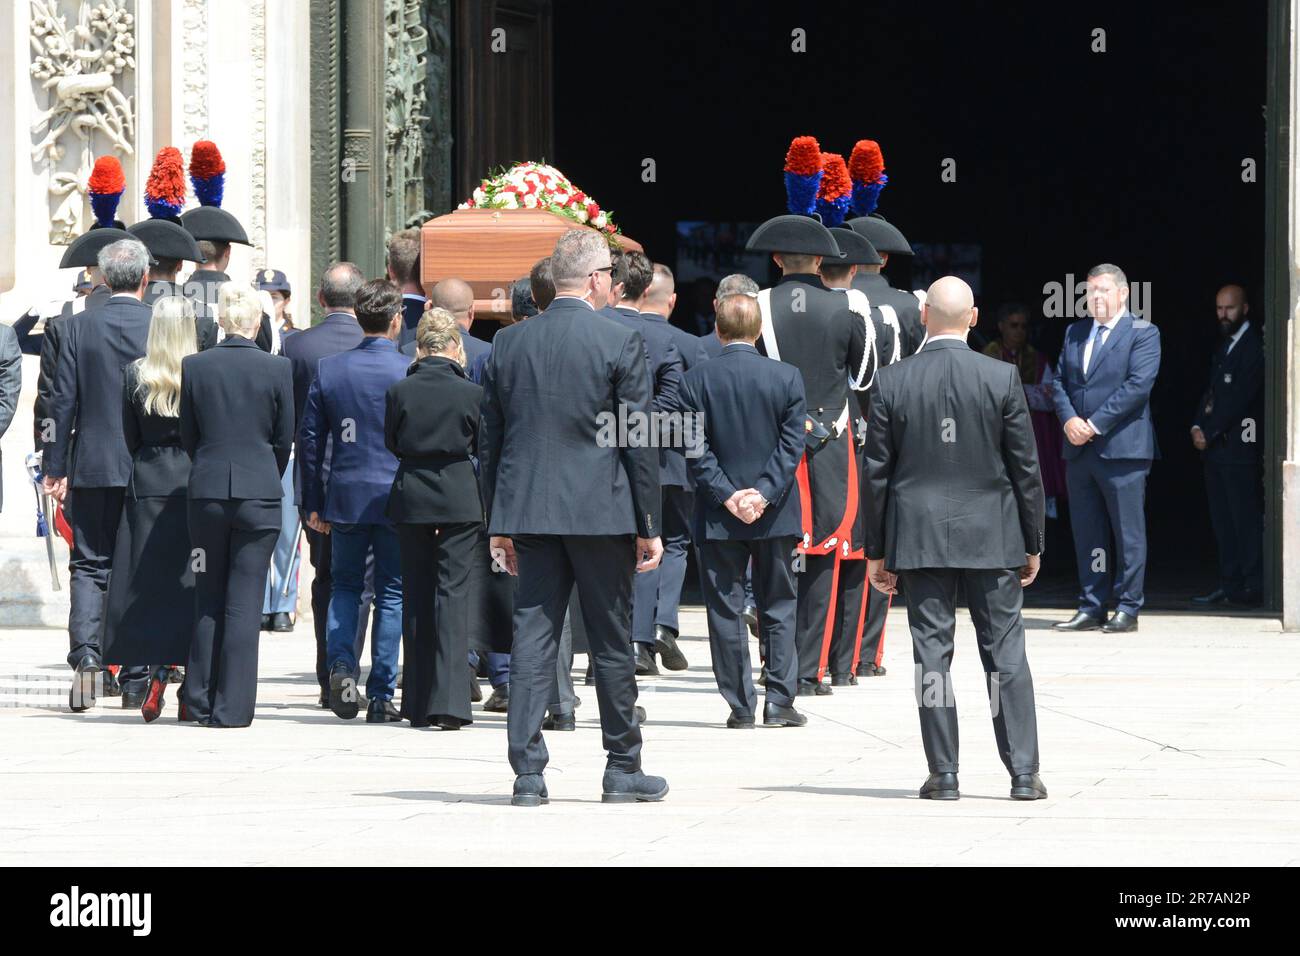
(490, 249)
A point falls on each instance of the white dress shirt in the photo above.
(1087, 350)
(1236, 336)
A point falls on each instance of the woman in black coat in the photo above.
(431, 425)
(149, 615)
(237, 425)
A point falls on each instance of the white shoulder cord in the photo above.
(890, 318)
(769, 333)
(860, 304)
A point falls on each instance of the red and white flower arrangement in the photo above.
(538, 186)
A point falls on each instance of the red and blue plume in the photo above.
(836, 190)
(803, 175)
(106, 185)
(164, 192)
(207, 173)
(867, 170)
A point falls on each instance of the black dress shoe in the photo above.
(645, 661)
(940, 786)
(499, 702)
(823, 689)
(382, 712)
(530, 791)
(343, 693)
(868, 669)
(843, 680)
(809, 688)
(1081, 621)
(559, 722)
(751, 619)
(475, 691)
(589, 678)
(266, 621)
(740, 721)
(774, 715)
(111, 687)
(1121, 623)
(1217, 596)
(323, 702)
(618, 786)
(448, 722)
(84, 676)
(1027, 786)
(133, 699)
(281, 623)
(669, 652)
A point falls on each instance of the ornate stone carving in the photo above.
(194, 75)
(405, 99)
(257, 234)
(80, 66)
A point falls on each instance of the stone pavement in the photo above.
(1177, 745)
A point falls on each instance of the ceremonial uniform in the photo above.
(813, 328)
(899, 308)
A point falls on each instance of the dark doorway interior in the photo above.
(1064, 158)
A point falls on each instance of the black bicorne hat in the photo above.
(857, 250)
(798, 235)
(214, 224)
(84, 251)
(882, 235)
(164, 238)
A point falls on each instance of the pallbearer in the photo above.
(813, 328)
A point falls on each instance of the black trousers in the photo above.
(722, 573)
(994, 598)
(94, 515)
(1235, 495)
(657, 594)
(437, 614)
(850, 616)
(320, 554)
(602, 567)
(234, 542)
(817, 592)
(873, 630)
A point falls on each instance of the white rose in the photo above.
(600, 222)
(509, 201)
(560, 198)
(479, 195)
(581, 215)
(530, 201)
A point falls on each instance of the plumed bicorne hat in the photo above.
(857, 250)
(164, 239)
(164, 196)
(105, 187)
(883, 235)
(208, 175)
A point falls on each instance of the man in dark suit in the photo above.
(54, 329)
(1228, 429)
(956, 499)
(814, 329)
(570, 500)
(457, 297)
(735, 284)
(337, 332)
(1103, 398)
(899, 308)
(347, 502)
(747, 439)
(404, 272)
(91, 478)
(632, 275)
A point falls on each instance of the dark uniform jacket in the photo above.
(951, 465)
(905, 305)
(203, 287)
(205, 328)
(431, 425)
(1233, 399)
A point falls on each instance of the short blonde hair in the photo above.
(438, 332)
(238, 307)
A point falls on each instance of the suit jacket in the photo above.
(337, 332)
(11, 383)
(160, 467)
(905, 305)
(1235, 393)
(711, 344)
(431, 425)
(951, 465)
(412, 311)
(753, 437)
(205, 328)
(550, 458)
(55, 326)
(822, 337)
(665, 365)
(87, 396)
(1115, 395)
(236, 420)
(203, 288)
(347, 403)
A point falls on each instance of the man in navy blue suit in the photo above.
(337, 332)
(1108, 366)
(346, 404)
(404, 272)
(749, 438)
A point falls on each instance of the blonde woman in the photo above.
(150, 610)
(431, 425)
(236, 412)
